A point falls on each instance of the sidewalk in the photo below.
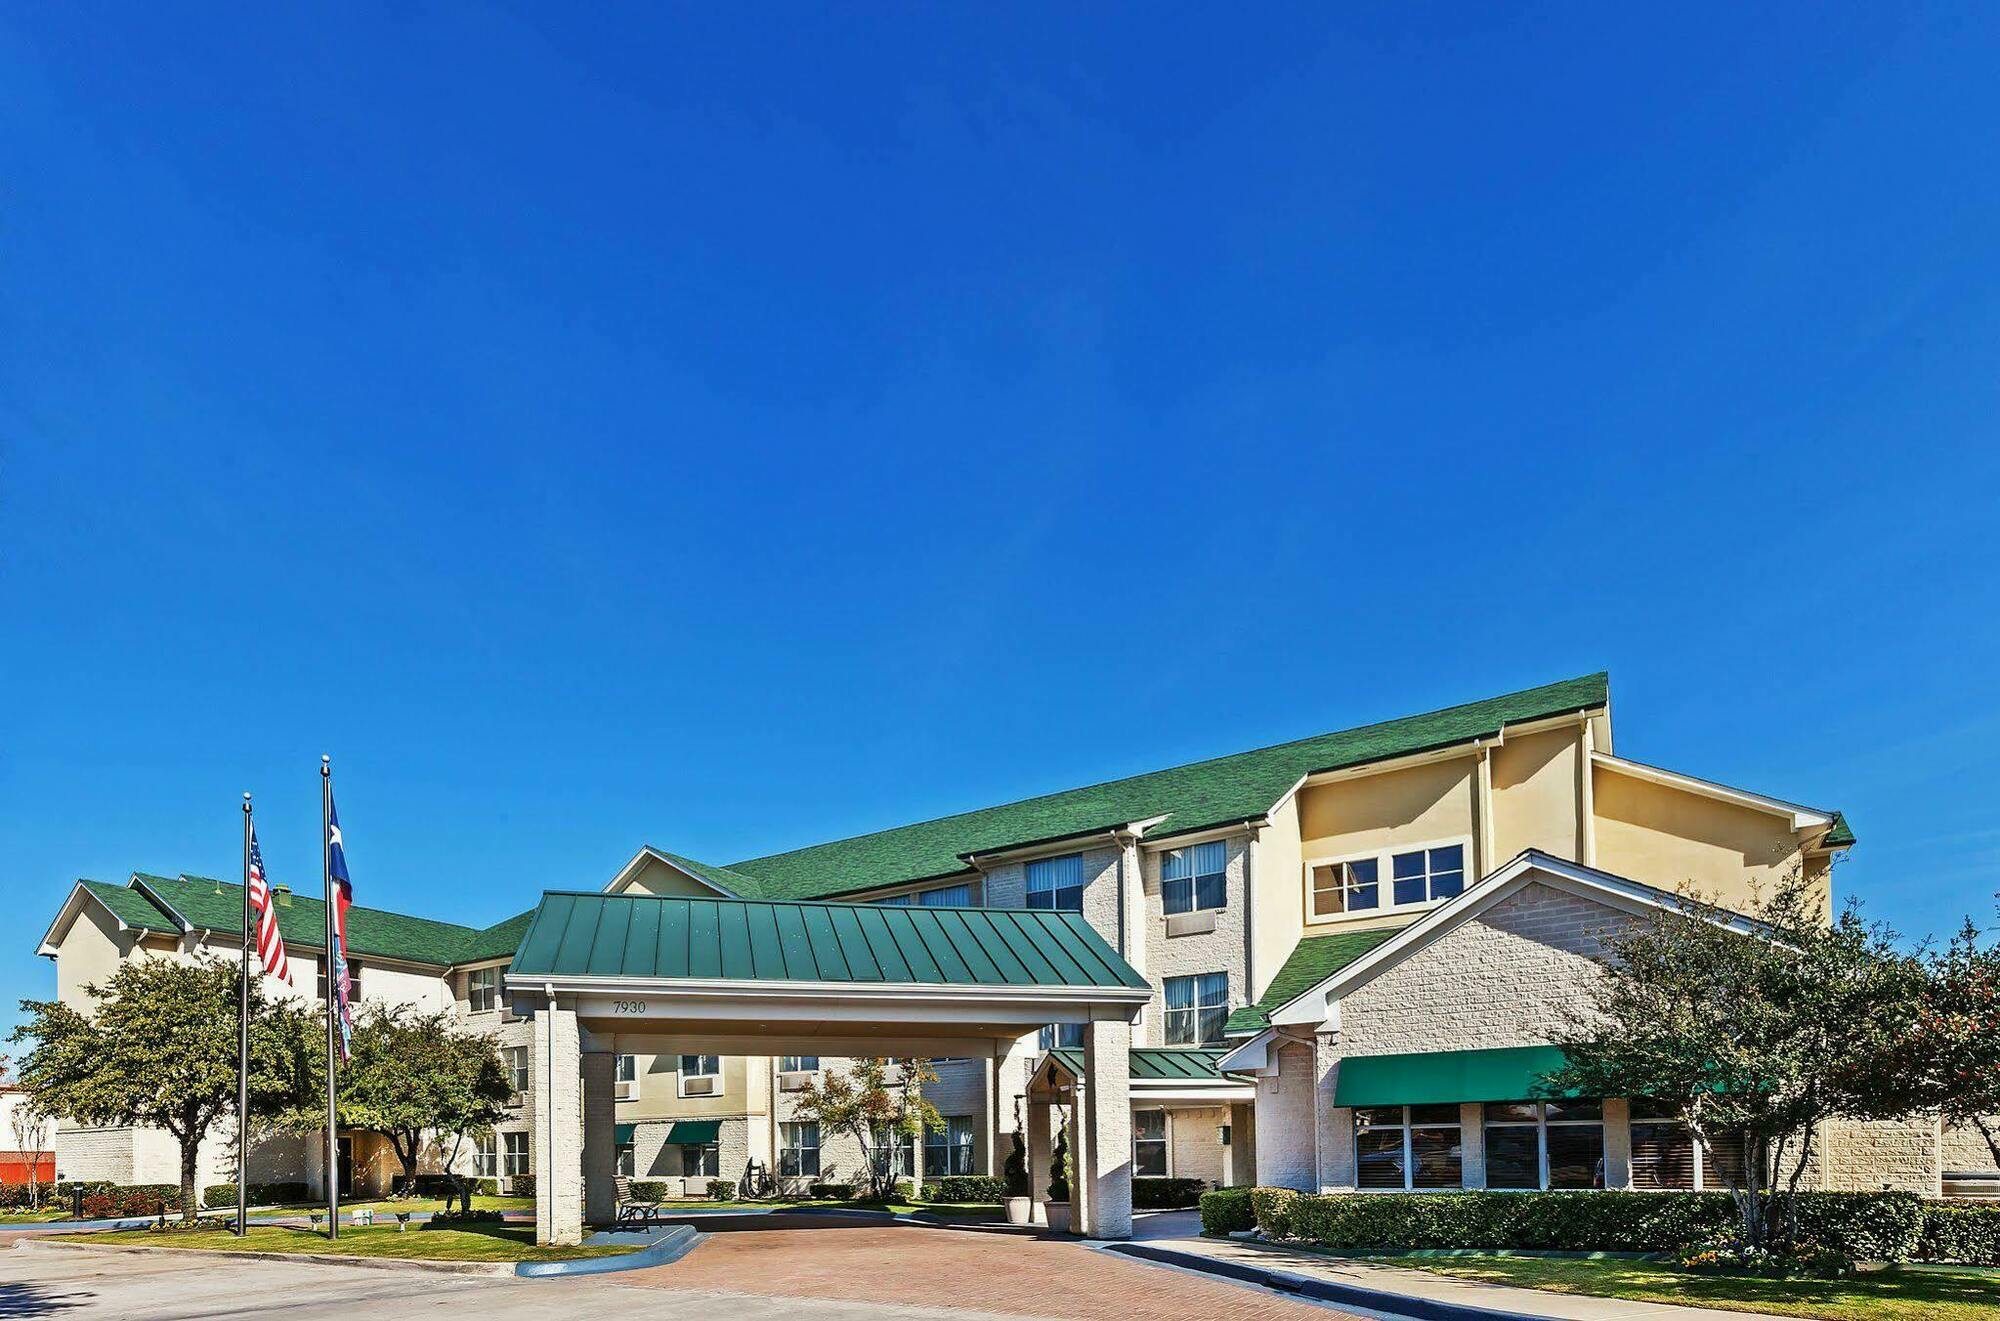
(1395, 1290)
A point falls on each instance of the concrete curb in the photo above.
(1325, 1291)
(664, 1250)
(490, 1268)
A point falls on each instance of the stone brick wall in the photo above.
(1285, 1152)
(1964, 1149)
(1223, 950)
(1195, 1151)
(1863, 1156)
(95, 1153)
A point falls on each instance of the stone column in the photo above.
(557, 1146)
(990, 1130)
(1472, 1143)
(1618, 1143)
(1333, 1148)
(1039, 1157)
(600, 1137)
(1107, 1124)
(1243, 1143)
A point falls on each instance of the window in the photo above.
(517, 1067)
(1346, 887)
(702, 1162)
(1554, 1144)
(883, 1141)
(798, 1064)
(700, 1066)
(1665, 1154)
(485, 1158)
(1196, 1009)
(353, 981)
(1428, 874)
(1194, 878)
(627, 1162)
(948, 896)
(1384, 880)
(1061, 1036)
(628, 1068)
(1405, 1147)
(948, 1150)
(1056, 883)
(482, 990)
(799, 1155)
(517, 1158)
(1149, 1142)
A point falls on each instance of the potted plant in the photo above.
(1020, 1192)
(1058, 1204)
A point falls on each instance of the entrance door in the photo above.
(346, 1168)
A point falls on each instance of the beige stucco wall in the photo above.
(1373, 812)
(1278, 907)
(1671, 838)
(742, 1090)
(1535, 793)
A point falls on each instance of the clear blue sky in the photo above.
(732, 427)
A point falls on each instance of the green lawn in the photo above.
(41, 1217)
(381, 1206)
(470, 1243)
(1931, 1293)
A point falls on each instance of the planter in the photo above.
(1020, 1210)
(1058, 1213)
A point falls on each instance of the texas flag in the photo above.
(342, 891)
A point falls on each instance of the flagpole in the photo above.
(332, 994)
(243, 1048)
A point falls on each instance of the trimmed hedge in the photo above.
(219, 1195)
(831, 1192)
(1867, 1226)
(721, 1190)
(1960, 1232)
(103, 1200)
(1156, 1194)
(524, 1185)
(427, 1185)
(649, 1190)
(969, 1188)
(1227, 1211)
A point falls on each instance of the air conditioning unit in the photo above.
(794, 1082)
(698, 1086)
(1191, 924)
(516, 1100)
(626, 1091)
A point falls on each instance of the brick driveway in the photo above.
(998, 1273)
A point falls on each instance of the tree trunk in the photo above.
(1991, 1133)
(407, 1157)
(190, 1157)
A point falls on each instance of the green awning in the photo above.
(693, 1132)
(1510, 1073)
(623, 1133)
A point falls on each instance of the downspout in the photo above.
(1118, 843)
(1250, 915)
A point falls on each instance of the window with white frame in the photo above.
(482, 990)
(353, 981)
(1197, 1007)
(517, 1067)
(798, 1064)
(1149, 1142)
(1194, 878)
(1665, 1154)
(628, 1068)
(1056, 883)
(701, 1075)
(948, 1150)
(701, 1160)
(516, 1159)
(886, 1144)
(945, 896)
(1399, 1148)
(627, 1161)
(1061, 1036)
(1544, 1144)
(798, 1154)
(1386, 879)
(486, 1157)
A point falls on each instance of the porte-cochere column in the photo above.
(1107, 1123)
(558, 1139)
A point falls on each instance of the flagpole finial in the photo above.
(325, 764)
(246, 801)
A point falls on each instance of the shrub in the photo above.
(1227, 1211)
(176, 1225)
(446, 1219)
(217, 1196)
(832, 1192)
(965, 1188)
(1015, 1171)
(524, 1185)
(906, 1190)
(425, 1185)
(1865, 1226)
(1954, 1231)
(721, 1190)
(1156, 1194)
(486, 1187)
(649, 1190)
(104, 1201)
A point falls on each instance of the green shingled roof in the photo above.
(218, 906)
(1312, 961)
(498, 941)
(1838, 836)
(129, 906)
(1160, 1063)
(733, 881)
(1204, 794)
(674, 936)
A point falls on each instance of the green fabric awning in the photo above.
(693, 1132)
(1509, 1073)
(622, 1133)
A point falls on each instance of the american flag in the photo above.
(270, 945)
(343, 899)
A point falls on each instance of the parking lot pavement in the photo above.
(69, 1284)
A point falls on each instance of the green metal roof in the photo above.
(654, 936)
(1312, 961)
(1204, 794)
(1508, 1073)
(1160, 1063)
(693, 1132)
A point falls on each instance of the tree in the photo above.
(1765, 1029)
(882, 1111)
(31, 1138)
(1957, 1038)
(415, 1077)
(160, 1051)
